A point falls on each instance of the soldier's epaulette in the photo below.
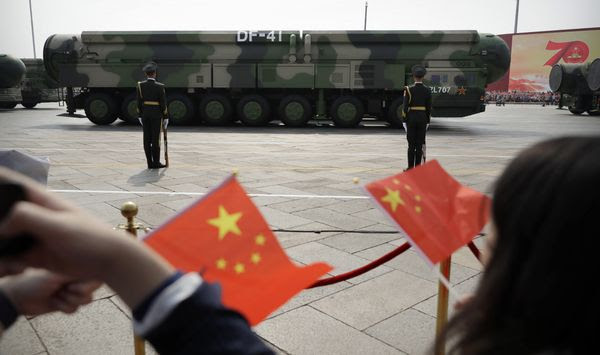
(159, 84)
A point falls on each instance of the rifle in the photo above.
(166, 145)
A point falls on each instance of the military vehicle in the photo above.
(11, 73)
(579, 85)
(37, 86)
(257, 76)
(29, 89)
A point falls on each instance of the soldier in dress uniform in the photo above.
(416, 113)
(152, 108)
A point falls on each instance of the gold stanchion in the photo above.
(442, 306)
(129, 210)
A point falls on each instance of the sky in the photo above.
(71, 17)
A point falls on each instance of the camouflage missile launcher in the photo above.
(37, 86)
(11, 73)
(257, 76)
(32, 88)
(579, 85)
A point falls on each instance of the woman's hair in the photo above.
(540, 291)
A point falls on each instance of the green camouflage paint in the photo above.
(370, 66)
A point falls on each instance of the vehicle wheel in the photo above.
(295, 111)
(347, 111)
(8, 105)
(28, 104)
(394, 114)
(101, 108)
(181, 109)
(128, 111)
(215, 110)
(254, 110)
(575, 111)
(593, 113)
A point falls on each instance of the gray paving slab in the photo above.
(341, 262)
(377, 299)
(413, 263)
(308, 331)
(21, 339)
(281, 161)
(101, 329)
(354, 242)
(429, 306)
(335, 219)
(410, 331)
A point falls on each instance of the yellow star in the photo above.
(221, 264)
(393, 198)
(461, 90)
(239, 268)
(226, 222)
(418, 209)
(255, 258)
(418, 198)
(260, 239)
(396, 181)
(407, 187)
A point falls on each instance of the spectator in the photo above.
(538, 294)
(177, 314)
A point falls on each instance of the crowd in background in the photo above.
(501, 97)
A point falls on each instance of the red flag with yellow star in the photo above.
(225, 237)
(437, 213)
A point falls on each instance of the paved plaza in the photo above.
(302, 181)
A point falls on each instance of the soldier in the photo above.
(416, 113)
(152, 108)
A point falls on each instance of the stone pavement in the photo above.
(390, 310)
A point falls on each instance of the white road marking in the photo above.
(173, 193)
(271, 153)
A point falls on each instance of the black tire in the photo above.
(347, 111)
(8, 105)
(216, 110)
(29, 104)
(295, 111)
(254, 110)
(593, 113)
(128, 112)
(575, 111)
(181, 109)
(101, 108)
(394, 113)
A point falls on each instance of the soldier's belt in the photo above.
(152, 103)
(418, 108)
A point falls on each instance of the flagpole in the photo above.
(129, 210)
(442, 306)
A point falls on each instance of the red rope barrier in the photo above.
(474, 250)
(361, 270)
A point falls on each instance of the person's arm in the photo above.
(428, 106)
(164, 303)
(39, 292)
(405, 103)
(140, 102)
(163, 107)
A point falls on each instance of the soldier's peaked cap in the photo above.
(150, 67)
(418, 70)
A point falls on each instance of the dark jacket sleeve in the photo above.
(163, 102)
(428, 106)
(405, 104)
(202, 325)
(140, 99)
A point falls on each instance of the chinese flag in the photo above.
(436, 212)
(226, 239)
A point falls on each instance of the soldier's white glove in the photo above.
(140, 119)
(427, 127)
(165, 123)
(404, 125)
